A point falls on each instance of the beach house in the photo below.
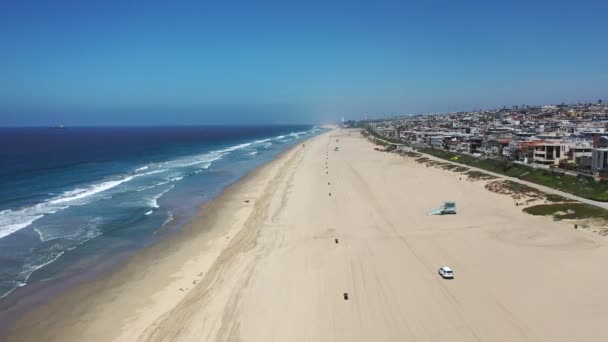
(551, 153)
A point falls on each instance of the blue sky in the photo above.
(205, 62)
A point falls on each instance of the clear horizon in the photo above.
(116, 64)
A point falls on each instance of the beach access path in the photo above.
(542, 188)
(335, 245)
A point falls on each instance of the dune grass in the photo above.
(412, 154)
(582, 186)
(478, 175)
(561, 211)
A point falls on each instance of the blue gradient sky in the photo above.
(279, 62)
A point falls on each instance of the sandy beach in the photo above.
(273, 256)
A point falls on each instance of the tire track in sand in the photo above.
(171, 325)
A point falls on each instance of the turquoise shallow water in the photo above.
(75, 197)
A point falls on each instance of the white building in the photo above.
(550, 153)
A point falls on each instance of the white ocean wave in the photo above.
(13, 220)
(169, 219)
(198, 159)
(30, 269)
(10, 222)
(17, 285)
(154, 200)
(234, 148)
(151, 172)
(166, 181)
(73, 195)
(72, 232)
(206, 159)
(153, 186)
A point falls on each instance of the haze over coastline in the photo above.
(112, 63)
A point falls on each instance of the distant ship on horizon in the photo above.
(58, 127)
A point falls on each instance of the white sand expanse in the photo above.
(270, 270)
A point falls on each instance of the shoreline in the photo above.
(81, 289)
(81, 205)
(322, 222)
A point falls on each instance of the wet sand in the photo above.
(271, 270)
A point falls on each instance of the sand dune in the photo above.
(271, 270)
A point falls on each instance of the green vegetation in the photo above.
(374, 140)
(556, 198)
(412, 154)
(521, 188)
(390, 148)
(436, 163)
(373, 133)
(568, 211)
(519, 191)
(448, 166)
(477, 175)
(582, 186)
(431, 162)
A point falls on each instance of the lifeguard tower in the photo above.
(447, 208)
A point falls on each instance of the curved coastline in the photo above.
(33, 305)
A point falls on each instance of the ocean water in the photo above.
(76, 196)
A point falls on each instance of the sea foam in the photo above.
(154, 200)
(13, 220)
(58, 236)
